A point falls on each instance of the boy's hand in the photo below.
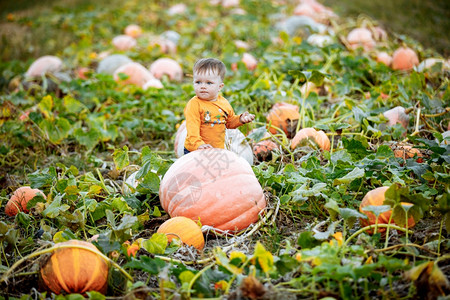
(204, 146)
(246, 117)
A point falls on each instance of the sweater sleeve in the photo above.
(193, 122)
(233, 121)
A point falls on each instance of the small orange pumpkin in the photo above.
(185, 229)
(263, 150)
(405, 59)
(407, 151)
(75, 270)
(137, 74)
(307, 135)
(214, 185)
(167, 66)
(19, 200)
(376, 197)
(284, 116)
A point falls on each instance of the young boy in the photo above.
(208, 113)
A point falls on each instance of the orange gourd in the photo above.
(133, 30)
(19, 200)
(166, 66)
(361, 37)
(185, 229)
(284, 116)
(307, 135)
(376, 197)
(124, 42)
(249, 61)
(404, 58)
(407, 151)
(263, 150)
(137, 74)
(215, 186)
(384, 58)
(75, 270)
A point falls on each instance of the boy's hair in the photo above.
(210, 64)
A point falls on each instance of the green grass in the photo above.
(426, 21)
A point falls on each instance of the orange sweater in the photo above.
(206, 122)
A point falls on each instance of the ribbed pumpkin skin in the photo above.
(284, 116)
(75, 270)
(19, 200)
(376, 197)
(184, 228)
(214, 185)
(318, 137)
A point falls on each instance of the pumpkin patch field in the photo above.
(339, 189)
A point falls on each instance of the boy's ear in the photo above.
(221, 85)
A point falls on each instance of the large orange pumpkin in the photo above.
(376, 197)
(215, 186)
(75, 270)
(284, 116)
(185, 229)
(19, 200)
(306, 135)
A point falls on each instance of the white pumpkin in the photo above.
(234, 141)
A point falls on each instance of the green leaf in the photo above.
(333, 208)
(377, 209)
(150, 184)
(89, 139)
(121, 158)
(72, 105)
(299, 75)
(304, 192)
(385, 151)
(150, 265)
(156, 244)
(56, 130)
(354, 174)
(32, 203)
(317, 77)
(120, 204)
(46, 106)
(350, 215)
(55, 208)
(306, 240)
(23, 219)
(123, 76)
(186, 276)
(356, 148)
(257, 134)
(263, 257)
(93, 295)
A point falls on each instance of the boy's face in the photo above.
(207, 85)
